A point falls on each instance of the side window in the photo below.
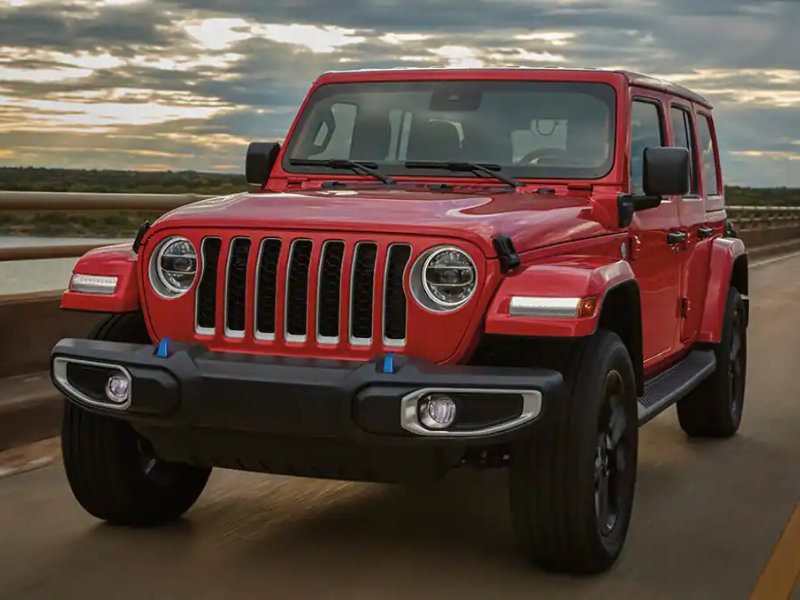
(683, 137)
(647, 131)
(708, 157)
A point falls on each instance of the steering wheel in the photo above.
(539, 153)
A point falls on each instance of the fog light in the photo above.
(437, 411)
(118, 389)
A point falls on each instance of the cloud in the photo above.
(185, 83)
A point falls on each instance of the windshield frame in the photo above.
(397, 170)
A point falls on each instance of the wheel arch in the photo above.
(728, 268)
(621, 312)
(740, 280)
(612, 283)
(117, 261)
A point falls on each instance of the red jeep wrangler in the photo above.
(440, 268)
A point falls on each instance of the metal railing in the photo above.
(78, 201)
(746, 218)
(764, 217)
(34, 201)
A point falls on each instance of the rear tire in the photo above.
(714, 408)
(572, 482)
(113, 471)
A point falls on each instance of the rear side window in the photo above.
(708, 157)
(683, 134)
(647, 131)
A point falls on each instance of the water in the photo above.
(24, 276)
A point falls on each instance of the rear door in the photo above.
(694, 251)
(656, 264)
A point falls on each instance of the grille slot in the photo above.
(297, 290)
(236, 287)
(394, 301)
(267, 288)
(329, 292)
(362, 285)
(206, 300)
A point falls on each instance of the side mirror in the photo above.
(666, 171)
(261, 157)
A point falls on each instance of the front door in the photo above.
(656, 262)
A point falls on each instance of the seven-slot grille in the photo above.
(282, 279)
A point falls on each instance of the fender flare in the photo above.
(117, 261)
(571, 278)
(727, 266)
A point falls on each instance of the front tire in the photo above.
(714, 408)
(572, 482)
(114, 472)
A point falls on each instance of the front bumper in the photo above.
(194, 393)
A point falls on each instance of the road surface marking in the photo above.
(779, 576)
(767, 261)
(29, 457)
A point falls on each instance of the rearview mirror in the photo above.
(261, 157)
(666, 171)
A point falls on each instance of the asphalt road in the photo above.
(707, 517)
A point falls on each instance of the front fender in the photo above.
(725, 254)
(118, 261)
(576, 277)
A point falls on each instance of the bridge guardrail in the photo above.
(760, 217)
(35, 201)
(78, 201)
(746, 218)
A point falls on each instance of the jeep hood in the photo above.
(532, 220)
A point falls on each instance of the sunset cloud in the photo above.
(187, 83)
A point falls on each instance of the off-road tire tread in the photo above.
(548, 521)
(705, 412)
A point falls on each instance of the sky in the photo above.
(186, 84)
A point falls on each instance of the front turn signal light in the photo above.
(587, 307)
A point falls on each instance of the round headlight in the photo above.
(173, 267)
(443, 278)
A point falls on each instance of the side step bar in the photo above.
(666, 388)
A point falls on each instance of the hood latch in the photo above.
(509, 259)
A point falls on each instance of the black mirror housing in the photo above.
(261, 157)
(666, 172)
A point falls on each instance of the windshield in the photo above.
(533, 129)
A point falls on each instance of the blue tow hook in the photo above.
(163, 348)
(388, 363)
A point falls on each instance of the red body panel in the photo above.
(566, 277)
(119, 261)
(532, 220)
(724, 253)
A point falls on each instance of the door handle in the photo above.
(704, 232)
(676, 237)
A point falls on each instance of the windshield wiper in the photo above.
(361, 167)
(492, 170)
